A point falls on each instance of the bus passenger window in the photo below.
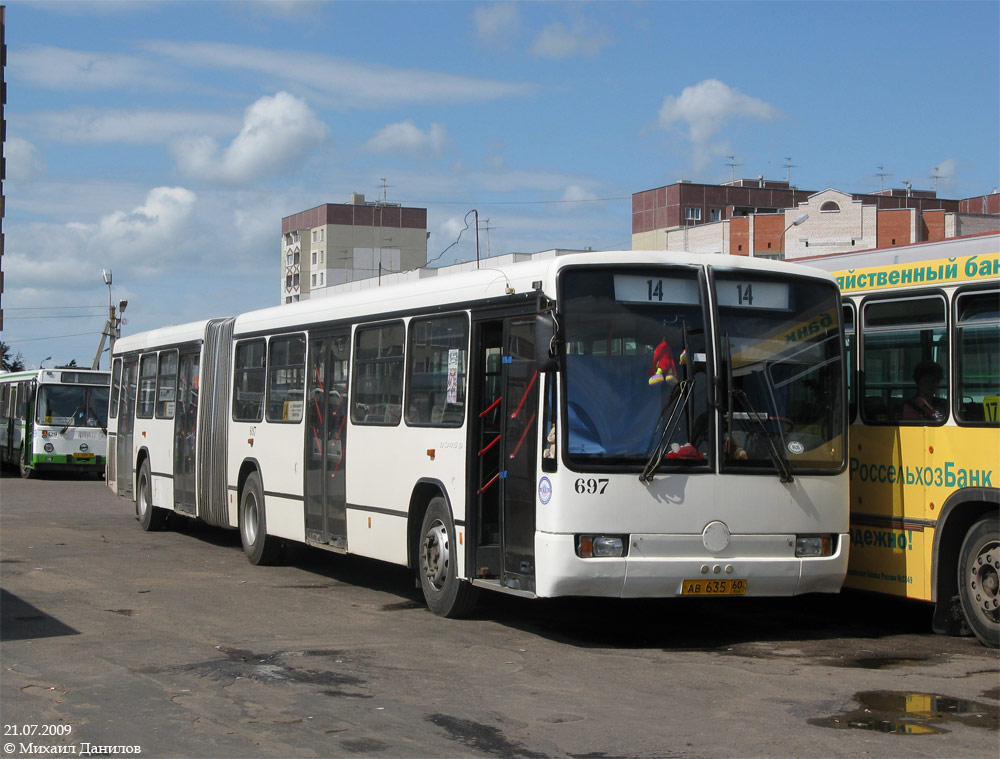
(147, 386)
(248, 382)
(166, 385)
(116, 381)
(436, 371)
(901, 335)
(286, 378)
(978, 356)
(378, 368)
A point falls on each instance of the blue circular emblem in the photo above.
(544, 490)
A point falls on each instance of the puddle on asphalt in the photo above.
(912, 714)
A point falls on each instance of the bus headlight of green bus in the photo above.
(808, 546)
(598, 546)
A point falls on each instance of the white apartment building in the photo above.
(338, 243)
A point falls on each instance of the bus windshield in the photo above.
(780, 361)
(72, 406)
(634, 339)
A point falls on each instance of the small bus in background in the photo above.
(618, 424)
(54, 420)
(922, 324)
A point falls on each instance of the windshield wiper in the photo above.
(779, 460)
(674, 409)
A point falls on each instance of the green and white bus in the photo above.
(54, 419)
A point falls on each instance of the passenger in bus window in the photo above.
(925, 405)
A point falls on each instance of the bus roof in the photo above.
(428, 288)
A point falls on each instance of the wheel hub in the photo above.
(436, 555)
(984, 580)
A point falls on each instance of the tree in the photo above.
(9, 364)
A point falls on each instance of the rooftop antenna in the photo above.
(788, 169)
(936, 176)
(385, 188)
(909, 187)
(732, 166)
(881, 178)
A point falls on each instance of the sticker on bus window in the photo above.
(990, 406)
(452, 395)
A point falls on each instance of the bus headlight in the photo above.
(814, 545)
(49, 447)
(598, 546)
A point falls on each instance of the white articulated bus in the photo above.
(624, 424)
(54, 420)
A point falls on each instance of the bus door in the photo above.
(126, 427)
(326, 439)
(185, 429)
(506, 441)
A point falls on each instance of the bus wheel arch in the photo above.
(437, 558)
(260, 548)
(959, 515)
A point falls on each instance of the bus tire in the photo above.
(261, 549)
(151, 518)
(27, 472)
(979, 579)
(437, 564)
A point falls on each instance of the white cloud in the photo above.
(560, 41)
(406, 139)
(133, 126)
(148, 227)
(72, 70)
(706, 107)
(497, 23)
(277, 134)
(345, 82)
(23, 160)
(575, 192)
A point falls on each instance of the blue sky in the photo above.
(166, 140)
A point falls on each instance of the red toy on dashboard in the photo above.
(663, 368)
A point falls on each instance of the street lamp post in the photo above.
(781, 240)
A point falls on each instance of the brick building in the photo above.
(761, 220)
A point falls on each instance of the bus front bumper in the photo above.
(660, 566)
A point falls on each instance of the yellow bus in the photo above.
(922, 325)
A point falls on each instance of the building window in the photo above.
(314, 235)
(692, 214)
(314, 258)
(716, 214)
(321, 279)
(314, 280)
(829, 207)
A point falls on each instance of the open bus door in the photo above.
(126, 427)
(505, 433)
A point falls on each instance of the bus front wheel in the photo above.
(261, 549)
(27, 472)
(446, 595)
(151, 518)
(979, 579)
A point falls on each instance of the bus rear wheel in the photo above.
(261, 549)
(979, 579)
(151, 518)
(446, 595)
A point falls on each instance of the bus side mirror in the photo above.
(545, 340)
